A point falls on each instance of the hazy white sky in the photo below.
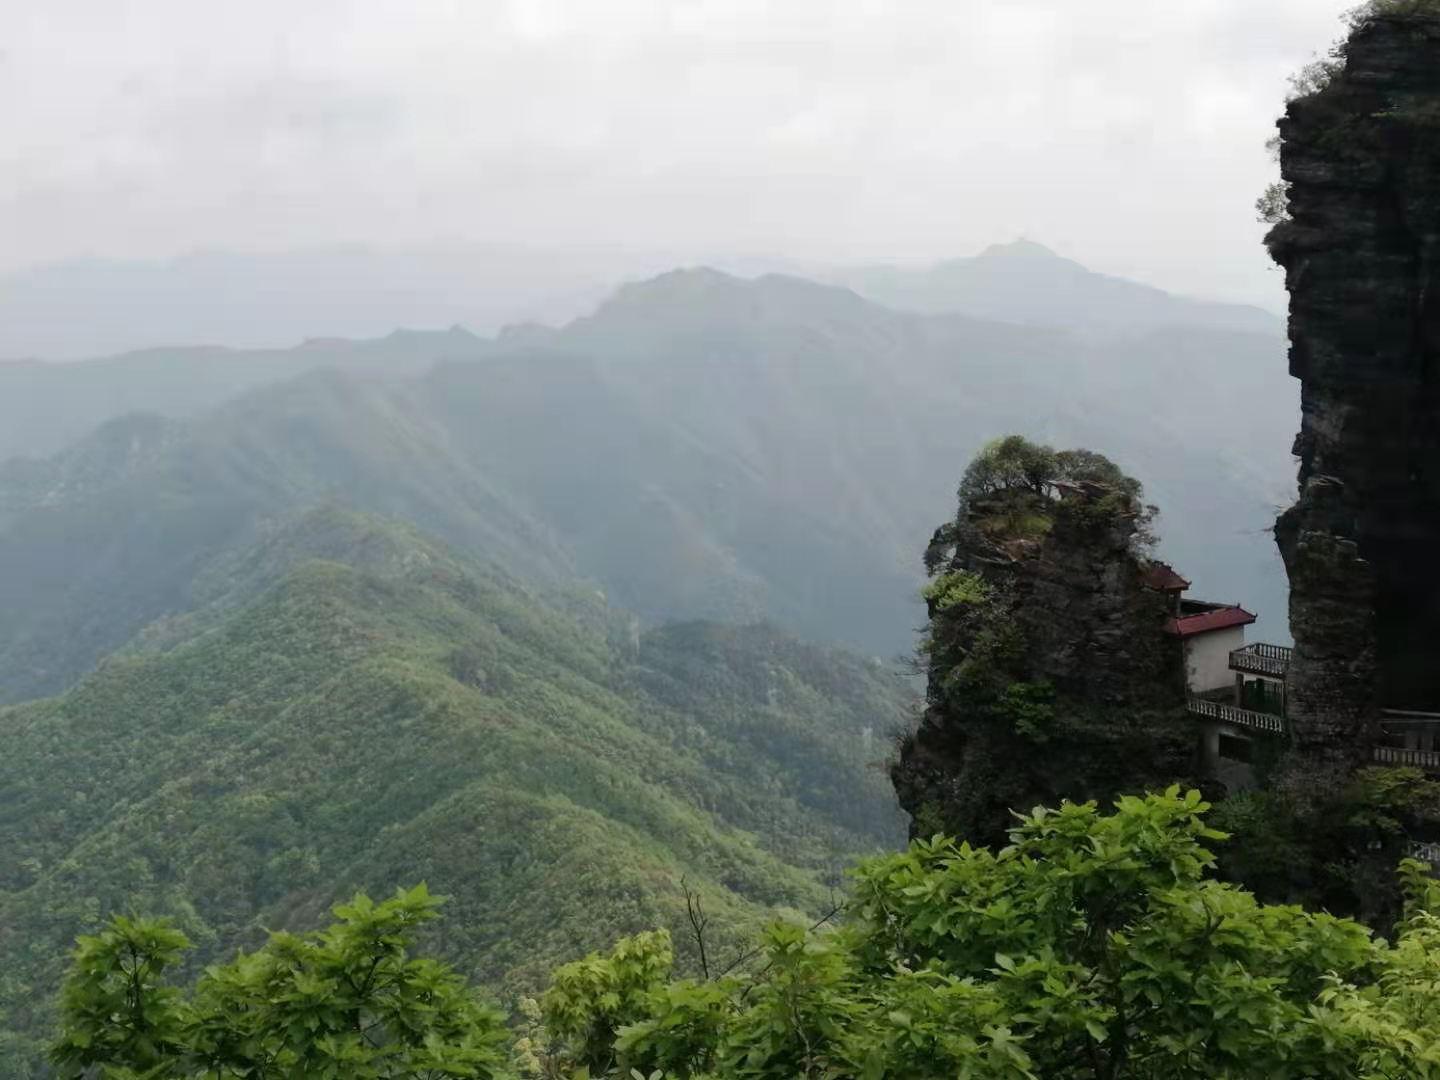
(1126, 133)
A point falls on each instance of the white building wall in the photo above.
(1207, 659)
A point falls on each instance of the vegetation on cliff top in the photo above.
(1316, 76)
(1312, 80)
(1014, 492)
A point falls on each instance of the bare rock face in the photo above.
(1361, 253)
(1090, 625)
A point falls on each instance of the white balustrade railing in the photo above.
(1401, 755)
(1261, 659)
(1231, 714)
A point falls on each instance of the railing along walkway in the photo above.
(1231, 714)
(1261, 659)
(1400, 755)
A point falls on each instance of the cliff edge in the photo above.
(1360, 155)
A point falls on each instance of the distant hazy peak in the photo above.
(681, 283)
(1020, 249)
(1026, 282)
(703, 281)
(700, 297)
(457, 332)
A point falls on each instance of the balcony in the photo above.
(1270, 661)
(1429, 760)
(1246, 718)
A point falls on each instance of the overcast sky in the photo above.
(1126, 133)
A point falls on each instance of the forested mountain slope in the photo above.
(118, 531)
(702, 447)
(358, 707)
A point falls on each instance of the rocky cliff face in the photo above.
(1049, 677)
(1361, 253)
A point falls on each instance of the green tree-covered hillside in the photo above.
(355, 706)
(702, 446)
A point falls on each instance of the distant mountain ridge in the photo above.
(95, 307)
(91, 307)
(1026, 282)
(702, 446)
(44, 407)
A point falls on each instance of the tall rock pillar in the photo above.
(1361, 252)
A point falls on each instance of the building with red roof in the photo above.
(1162, 578)
(1197, 617)
(1236, 691)
(1208, 632)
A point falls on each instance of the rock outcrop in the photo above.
(1361, 251)
(1048, 676)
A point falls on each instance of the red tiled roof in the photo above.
(1163, 577)
(1222, 618)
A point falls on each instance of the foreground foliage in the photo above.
(346, 1002)
(1092, 946)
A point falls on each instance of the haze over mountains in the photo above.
(702, 446)
(1026, 282)
(87, 308)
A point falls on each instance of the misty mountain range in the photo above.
(1026, 282)
(700, 446)
(95, 307)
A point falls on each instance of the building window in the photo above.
(1235, 749)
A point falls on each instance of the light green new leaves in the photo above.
(1091, 948)
(346, 1003)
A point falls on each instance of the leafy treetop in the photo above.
(1015, 489)
(1092, 946)
(347, 1002)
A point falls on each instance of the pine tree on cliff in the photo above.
(1049, 677)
